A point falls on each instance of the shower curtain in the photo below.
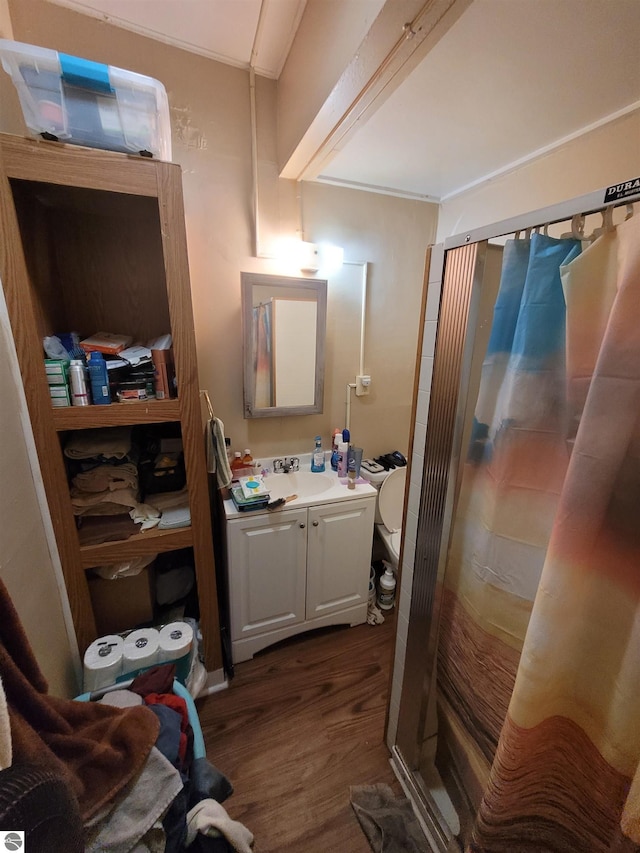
(539, 650)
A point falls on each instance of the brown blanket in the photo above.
(99, 748)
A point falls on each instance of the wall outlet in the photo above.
(363, 383)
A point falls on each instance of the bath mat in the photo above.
(387, 821)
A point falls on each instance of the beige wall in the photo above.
(210, 117)
(596, 160)
(26, 565)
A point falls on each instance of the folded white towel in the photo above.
(217, 462)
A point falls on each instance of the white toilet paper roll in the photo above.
(175, 640)
(141, 649)
(103, 662)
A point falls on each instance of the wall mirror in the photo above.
(283, 332)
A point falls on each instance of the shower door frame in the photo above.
(413, 675)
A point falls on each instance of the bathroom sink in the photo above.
(304, 484)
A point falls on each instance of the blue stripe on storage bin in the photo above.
(84, 73)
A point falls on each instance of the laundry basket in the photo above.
(180, 690)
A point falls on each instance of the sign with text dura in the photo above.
(623, 190)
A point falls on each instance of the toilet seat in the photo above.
(391, 505)
(391, 499)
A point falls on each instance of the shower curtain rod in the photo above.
(594, 202)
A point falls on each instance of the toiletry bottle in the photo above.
(343, 453)
(351, 474)
(237, 465)
(334, 449)
(387, 589)
(99, 379)
(247, 459)
(78, 382)
(317, 457)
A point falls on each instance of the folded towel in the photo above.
(217, 462)
(106, 443)
(107, 477)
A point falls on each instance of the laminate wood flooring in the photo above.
(298, 725)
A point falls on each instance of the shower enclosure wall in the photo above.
(451, 678)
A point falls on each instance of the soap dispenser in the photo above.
(317, 457)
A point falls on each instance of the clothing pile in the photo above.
(125, 764)
(183, 794)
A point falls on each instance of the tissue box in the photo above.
(87, 103)
(123, 603)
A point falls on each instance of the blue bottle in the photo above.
(99, 379)
(317, 457)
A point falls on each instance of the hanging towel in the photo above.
(217, 462)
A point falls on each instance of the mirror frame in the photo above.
(309, 285)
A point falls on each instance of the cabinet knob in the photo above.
(302, 526)
(315, 523)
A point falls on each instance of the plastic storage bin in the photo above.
(87, 103)
(199, 750)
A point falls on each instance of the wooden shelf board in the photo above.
(117, 414)
(140, 545)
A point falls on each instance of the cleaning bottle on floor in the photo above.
(387, 588)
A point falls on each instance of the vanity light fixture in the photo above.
(308, 257)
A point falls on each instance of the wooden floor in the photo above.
(298, 725)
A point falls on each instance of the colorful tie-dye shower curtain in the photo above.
(539, 655)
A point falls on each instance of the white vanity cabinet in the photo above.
(297, 569)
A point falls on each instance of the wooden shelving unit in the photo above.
(93, 240)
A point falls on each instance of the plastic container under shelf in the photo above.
(87, 103)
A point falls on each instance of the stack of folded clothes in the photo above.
(104, 478)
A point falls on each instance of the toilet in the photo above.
(389, 507)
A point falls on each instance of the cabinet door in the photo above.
(267, 559)
(339, 556)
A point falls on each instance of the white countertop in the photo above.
(333, 489)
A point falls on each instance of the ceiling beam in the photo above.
(399, 39)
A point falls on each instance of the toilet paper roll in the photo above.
(176, 639)
(141, 649)
(103, 662)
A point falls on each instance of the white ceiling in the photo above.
(510, 80)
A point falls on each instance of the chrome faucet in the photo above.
(284, 466)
